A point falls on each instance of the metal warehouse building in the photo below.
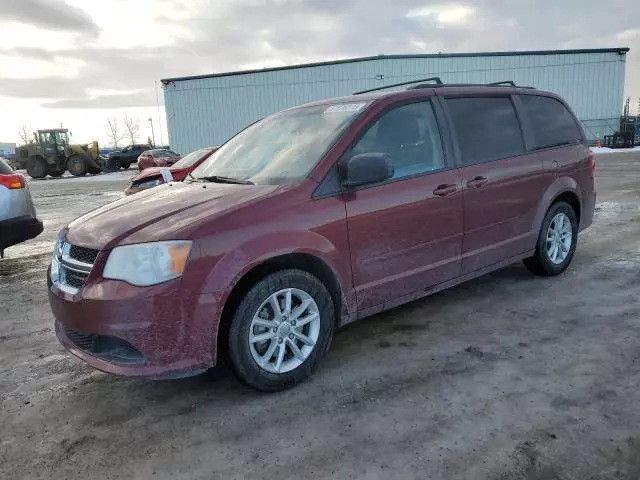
(208, 109)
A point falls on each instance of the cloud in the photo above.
(188, 37)
(48, 14)
(110, 101)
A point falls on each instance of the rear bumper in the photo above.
(588, 208)
(18, 230)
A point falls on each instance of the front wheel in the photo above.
(77, 166)
(37, 167)
(557, 241)
(281, 329)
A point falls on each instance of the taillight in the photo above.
(12, 181)
(592, 164)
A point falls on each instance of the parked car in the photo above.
(315, 217)
(157, 157)
(125, 157)
(152, 177)
(18, 220)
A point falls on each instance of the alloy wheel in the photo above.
(284, 330)
(559, 238)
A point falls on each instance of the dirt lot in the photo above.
(506, 377)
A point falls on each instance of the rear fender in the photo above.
(558, 187)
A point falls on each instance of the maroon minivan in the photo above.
(317, 216)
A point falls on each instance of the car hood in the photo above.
(159, 213)
(156, 172)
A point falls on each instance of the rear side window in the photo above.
(550, 120)
(5, 167)
(486, 128)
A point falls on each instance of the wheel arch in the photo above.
(562, 189)
(304, 261)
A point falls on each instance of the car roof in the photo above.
(445, 90)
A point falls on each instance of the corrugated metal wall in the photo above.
(207, 111)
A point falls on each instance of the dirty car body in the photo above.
(318, 216)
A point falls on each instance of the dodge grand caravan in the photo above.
(317, 216)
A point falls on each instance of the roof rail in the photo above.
(436, 81)
(505, 83)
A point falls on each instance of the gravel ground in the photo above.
(505, 377)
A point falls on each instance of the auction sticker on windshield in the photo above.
(345, 107)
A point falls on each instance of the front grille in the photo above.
(109, 348)
(82, 254)
(74, 279)
(75, 265)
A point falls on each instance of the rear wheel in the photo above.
(125, 165)
(37, 167)
(77, 166)
(281, 329)
(557, 241)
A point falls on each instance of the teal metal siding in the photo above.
(204, 111)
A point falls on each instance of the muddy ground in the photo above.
(506, 377)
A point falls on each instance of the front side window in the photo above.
(487, 128)
(551, 122)
(409, 135)
(282, 148)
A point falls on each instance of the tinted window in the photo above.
(551, 122)
(486, 128)
(409, 135)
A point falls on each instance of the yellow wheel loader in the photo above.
(51, 154)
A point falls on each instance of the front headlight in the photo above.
(55, 258)
(148, 264)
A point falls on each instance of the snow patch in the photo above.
(601, 150)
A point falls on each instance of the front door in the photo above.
(405, 234)
(502, 183)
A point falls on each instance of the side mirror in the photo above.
(366, 168)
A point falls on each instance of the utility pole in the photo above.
(153, 135)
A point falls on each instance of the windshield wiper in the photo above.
(219, 179)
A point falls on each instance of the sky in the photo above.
(77, 63)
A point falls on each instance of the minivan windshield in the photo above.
(280, 149)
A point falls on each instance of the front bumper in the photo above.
(18, 230)
(152, 331)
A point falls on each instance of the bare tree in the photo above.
(24, 132)
(132, 127)
(113, 132)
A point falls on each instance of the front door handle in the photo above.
(446, 189)
(477, 182)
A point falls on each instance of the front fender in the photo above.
(236, 263)
(558, 187)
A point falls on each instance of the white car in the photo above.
(18, 220)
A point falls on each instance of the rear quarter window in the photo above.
(551, 121)
(5, 167)
(486, 128)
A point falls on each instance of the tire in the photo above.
(293, 368)
(77, 166)
(37, 167)
(125, 165)
(57, 173)
(554, 231)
